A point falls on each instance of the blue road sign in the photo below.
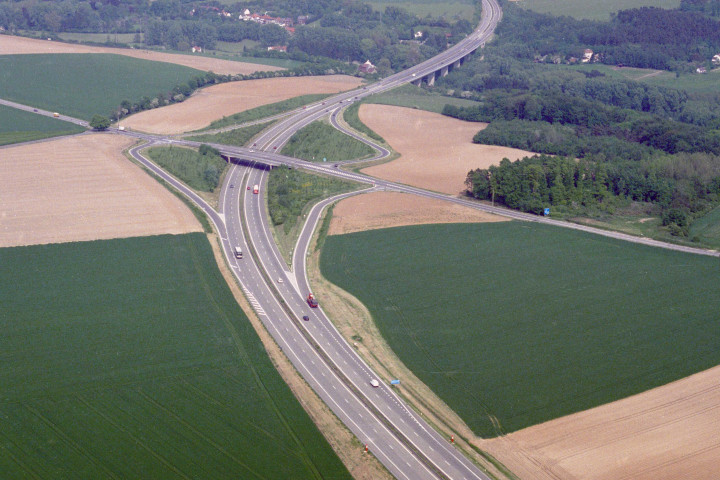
(546, 212)
(394, 382)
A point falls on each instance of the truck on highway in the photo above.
(312, 301)
(238, 252)
(256, 189)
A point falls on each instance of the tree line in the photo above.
(682, 186)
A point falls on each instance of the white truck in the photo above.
(238, 252)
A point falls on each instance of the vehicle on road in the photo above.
(248, 187)
(306, 318)
(280, 280)
(238, 252)
(374, 383)
(232, 185)
(312, 301)
(56, 114)
(35, 109)
(256, 189)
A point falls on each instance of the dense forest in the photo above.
(605, 141)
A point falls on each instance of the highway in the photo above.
(401, 440)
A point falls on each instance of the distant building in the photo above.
(303, 19)
(716, 59)
(418, 34)
(196, 49)
(277, 48)
(701, 70)
(587, 55)
(367, 67)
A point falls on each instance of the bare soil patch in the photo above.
(213, 103)
(82, 188)
(10, 45)
(392, 209)
(436, 151)
(666, 433)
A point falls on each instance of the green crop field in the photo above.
(592, 9)
(82, 85)
(20, 126)
(131, 359)
(449, 9)
(521, 323)
(320, 140)
(707, 228)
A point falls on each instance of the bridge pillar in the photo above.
(417, 82)
(430, 79)
(456, 64)
(444, 71)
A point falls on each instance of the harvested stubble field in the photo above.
(10, 45)
(436, 151)
(391, 209)
(82, 188)
(215, 102)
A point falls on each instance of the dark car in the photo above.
(248, 187)
(232, 185)
(306, 318)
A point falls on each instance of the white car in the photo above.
(280, 280)
(374, 383)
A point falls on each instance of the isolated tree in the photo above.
(98, 122)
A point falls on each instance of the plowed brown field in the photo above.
(215, 102)
(10, 45)
(82, 188)
(436, 151)
(392, 209)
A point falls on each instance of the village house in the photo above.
(716, 59)
(367, 67)
(277, 48)
(196, 49)
(587, 55)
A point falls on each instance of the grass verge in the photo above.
(238, 136)
(291, 194)
(258, 113)
(198, 171)
(320, 140)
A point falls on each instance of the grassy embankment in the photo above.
(136, 349)
(591, 9)
(414, 97)
(264, 111)
(201, 172)
(514, 324)
(291, 194)
(238, 136)
(320, 140)
(52, 81)
(19, 126)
